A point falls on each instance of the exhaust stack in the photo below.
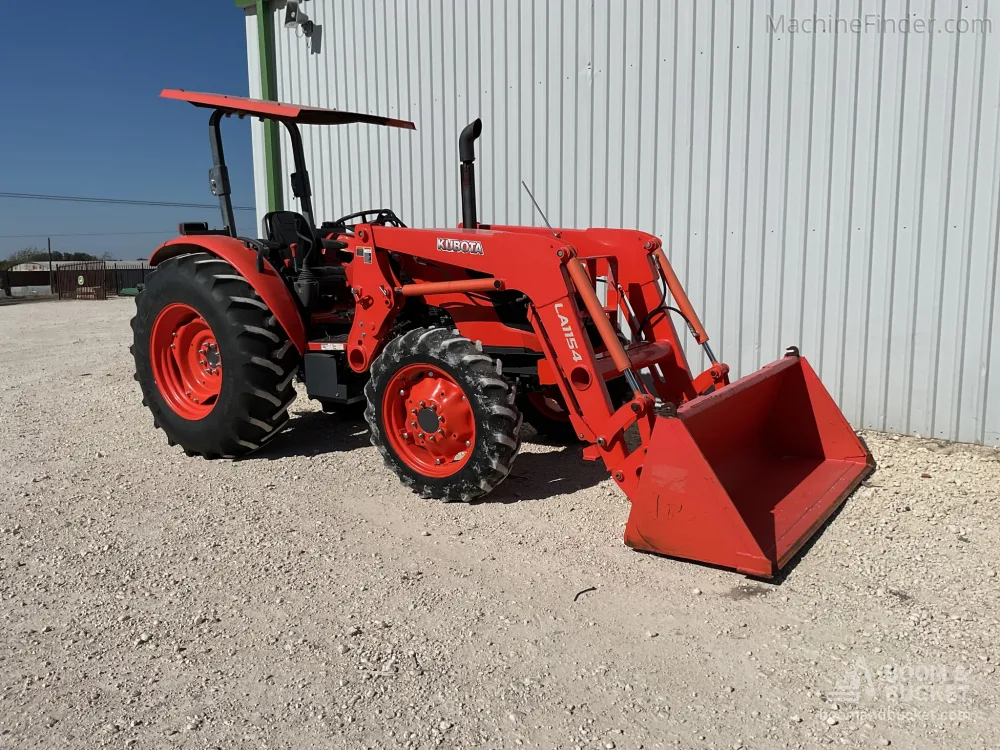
(467, 172)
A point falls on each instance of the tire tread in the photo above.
(497, 433)
(262, 359)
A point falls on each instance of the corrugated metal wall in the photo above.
(256, 126)
(833, 190)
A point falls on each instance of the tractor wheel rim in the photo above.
(429, 420)
(186, 361)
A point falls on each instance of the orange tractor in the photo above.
(447, 337)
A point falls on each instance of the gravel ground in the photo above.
(301, 598)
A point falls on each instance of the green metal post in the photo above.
(269, 92)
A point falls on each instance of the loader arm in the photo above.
(556, 318)
(640, 284)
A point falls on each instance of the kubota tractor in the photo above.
(446, 337)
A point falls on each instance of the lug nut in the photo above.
(413, 424)
(440, 431)
(406, 436)
(402, 392)
(422, 404)
(467, 443)
(438, 462)
(430, 374)
(420, 435)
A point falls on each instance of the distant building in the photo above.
(43, 265)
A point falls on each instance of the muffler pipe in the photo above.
(467, 172)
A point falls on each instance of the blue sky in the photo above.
(81, 115)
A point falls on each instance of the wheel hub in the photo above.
(186, 361)
(210, 357)
(429, 420)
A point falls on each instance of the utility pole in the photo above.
(52, 286)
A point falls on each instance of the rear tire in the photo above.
(257, 360)
(546, 411)
(432, 392)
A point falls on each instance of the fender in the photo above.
(269, 285)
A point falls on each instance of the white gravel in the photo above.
(301, 598)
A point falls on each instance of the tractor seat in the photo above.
(286, 228)
(282, 229)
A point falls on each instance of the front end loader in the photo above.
(447, 338)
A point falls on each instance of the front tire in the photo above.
(214, 366)
(442, 415)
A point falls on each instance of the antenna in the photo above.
(540, 211)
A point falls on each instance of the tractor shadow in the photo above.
(311, 433)
(534, 476)
(539, 476)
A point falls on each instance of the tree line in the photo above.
(41, 255)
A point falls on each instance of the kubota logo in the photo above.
(569, 333)
(470, 247)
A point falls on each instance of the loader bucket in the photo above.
(742, 477)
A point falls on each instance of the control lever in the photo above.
(333, 244)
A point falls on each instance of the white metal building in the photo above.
(826, 180)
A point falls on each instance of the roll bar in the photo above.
(289, 115)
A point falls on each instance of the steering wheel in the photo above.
(378, 216)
